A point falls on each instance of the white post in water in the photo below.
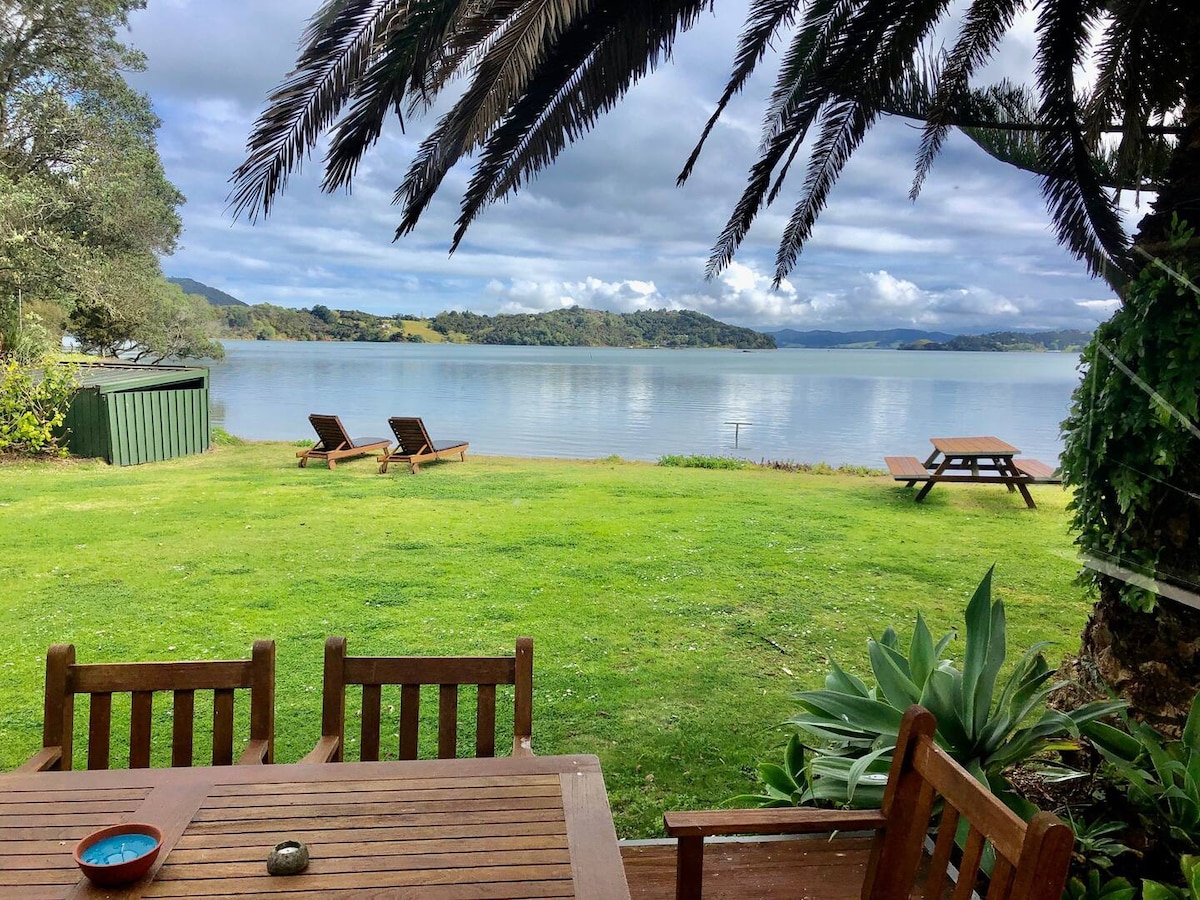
(737, 428)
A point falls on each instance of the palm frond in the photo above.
(337, 50)
(597, 65)
(1084, 214)
(763, 22)
(984, 24)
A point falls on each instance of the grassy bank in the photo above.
(673, 610)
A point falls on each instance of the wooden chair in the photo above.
(334, 443)
(65, 678)
(1030, 859)
(410, 672)
(415, 446)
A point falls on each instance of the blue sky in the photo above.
(606, 227)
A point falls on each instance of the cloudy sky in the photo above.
(606, 227)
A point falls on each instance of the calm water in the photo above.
(839, 406)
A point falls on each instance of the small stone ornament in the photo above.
(288, 858)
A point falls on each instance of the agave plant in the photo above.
(985, 724)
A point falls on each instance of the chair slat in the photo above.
(1001, 884)
(968, 871)
(223, 728)
(410, 717)
(183, 728)
(369, 733)
(99, 731)
(485, 721)
(139, 729)
(447, 721)
(937, 877)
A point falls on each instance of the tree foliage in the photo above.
(82, 191)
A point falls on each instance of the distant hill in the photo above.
(828, 340)
(211, 294)
(1070, 340)
(573, 327)
(579, 327)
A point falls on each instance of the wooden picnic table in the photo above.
(456, 828)
(986, 460)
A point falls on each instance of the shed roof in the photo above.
(108, 377)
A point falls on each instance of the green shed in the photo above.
(130, 414)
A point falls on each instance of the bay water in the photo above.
(835, 406)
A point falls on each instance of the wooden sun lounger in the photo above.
(414, 446)
(335, 443)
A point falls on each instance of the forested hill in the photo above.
(577, 327)
(211, 294)
(1070, 340)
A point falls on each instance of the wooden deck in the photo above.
(807, 867)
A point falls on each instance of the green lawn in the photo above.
(673, 610)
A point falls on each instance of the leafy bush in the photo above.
(1161, 776)
(1152, 890)
(33, 407)
(1095, 889)
(705, 462)
(984, 729)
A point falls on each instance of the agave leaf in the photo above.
(921, 657)
(742, 801)
(839, 680)
(943, 643)
(774, 777)
(979, 626)
(889, 638)
(939, 699)
(865, 714)
(1113, 743)
(895, 683)
(897, 658)
(859, 768)
(997, 649)
(793, 758)
(1191, 730)
(833, 729)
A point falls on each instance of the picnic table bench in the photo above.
(978, 460)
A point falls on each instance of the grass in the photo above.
(674, 610)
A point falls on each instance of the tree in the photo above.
(534, 76)
(82, 189)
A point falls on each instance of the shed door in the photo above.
(146, 426)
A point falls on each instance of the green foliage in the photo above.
(1190, 866)
(984, 724)
(1012, 341)
(222, 438)
(1161, 776)
(82, 189)
(1095, 844)
(1096, 889)
(705, 462)
(1133, 464)
(33, 407)
(577, 327)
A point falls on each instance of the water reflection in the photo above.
(838, 406)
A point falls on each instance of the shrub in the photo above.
(33, 407)
(705, 462)
(986, 730)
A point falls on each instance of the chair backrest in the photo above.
(1030, 860)
(410, 672)
(410, 435)
(331, 432)
(65, 679)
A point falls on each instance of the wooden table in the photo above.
(973, 456)
(468, 828)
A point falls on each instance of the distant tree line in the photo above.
(578, 327)
(266, 322)
(1070, 340)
